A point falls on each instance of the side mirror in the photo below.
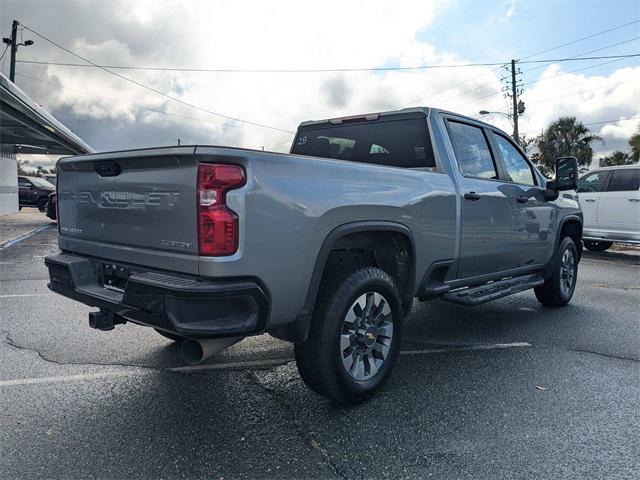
(566, 174)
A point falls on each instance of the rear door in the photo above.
(488, 213)
(619, 205)
(590, 188)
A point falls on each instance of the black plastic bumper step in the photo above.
(491, 291)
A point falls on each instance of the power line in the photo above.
(155, 90)
(613, 121)
(313, 70)
(581, 39)
(580, 55)
(538, 53)
(258, 70)
(543, 80)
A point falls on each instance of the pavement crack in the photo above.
(592, 352)
(12, 343)
(309, 438)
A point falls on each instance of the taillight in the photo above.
(217, 223)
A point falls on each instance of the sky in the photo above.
(111, 113)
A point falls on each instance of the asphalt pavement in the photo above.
(509, 389)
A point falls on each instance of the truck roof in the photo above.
(427, 111)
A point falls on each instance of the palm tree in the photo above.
(634, 143)
(616, 158)
(565, 137)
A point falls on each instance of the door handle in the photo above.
(473, 196)
(522, 199)
(634, 199)
(589, 200)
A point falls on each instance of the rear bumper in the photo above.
(185, 305)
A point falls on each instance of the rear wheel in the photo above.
(354, 336)
(558, 289)
(170, 336)
(597, 245)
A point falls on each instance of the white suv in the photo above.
(610, 200)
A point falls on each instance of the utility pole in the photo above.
(14, 50)
(13, 43)
(514, 98)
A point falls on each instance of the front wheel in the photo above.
(42, 204)
(354, 336)
(597, 245)
(558, 289)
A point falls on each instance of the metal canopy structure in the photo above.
(31, 129)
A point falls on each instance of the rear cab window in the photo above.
(392, 141)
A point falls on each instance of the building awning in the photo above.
(30, 128)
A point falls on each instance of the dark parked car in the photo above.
(51, 207)
(34, 192)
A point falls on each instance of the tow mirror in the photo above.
(566, 174)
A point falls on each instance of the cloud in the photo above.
(111, 113)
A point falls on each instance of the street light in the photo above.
(487, 112)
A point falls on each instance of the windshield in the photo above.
(398, 143)
(41, 182)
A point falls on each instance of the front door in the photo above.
(488, 215)
(26, 192)
(535, 230)
(590, 188)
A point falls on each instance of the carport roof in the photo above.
(30, 128)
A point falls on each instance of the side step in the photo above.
(491, 291)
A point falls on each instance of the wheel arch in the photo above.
(347, 236)
(571, 226)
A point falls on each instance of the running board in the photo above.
(491, 291)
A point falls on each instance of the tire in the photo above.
(597, 245)
(558, 289)
(354, 336)
(170, 336)
(42, 204)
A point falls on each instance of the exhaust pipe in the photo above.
(196, 350)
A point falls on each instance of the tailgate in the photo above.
(136, 206)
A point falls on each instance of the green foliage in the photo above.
(565, 137)
(22, 167)
(616, 158)
(634, 144)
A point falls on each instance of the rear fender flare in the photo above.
(299, 329)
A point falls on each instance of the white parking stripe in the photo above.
(135, 371)
(24, 236)
(28, 295)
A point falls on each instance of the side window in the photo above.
(592, 182)
(517, 167)
(624, 180)
(472, 151)
(23, 183)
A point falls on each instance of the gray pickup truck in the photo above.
(326, 247)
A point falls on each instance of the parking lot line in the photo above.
(28, 295)
(138, 371)
(24, 236)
